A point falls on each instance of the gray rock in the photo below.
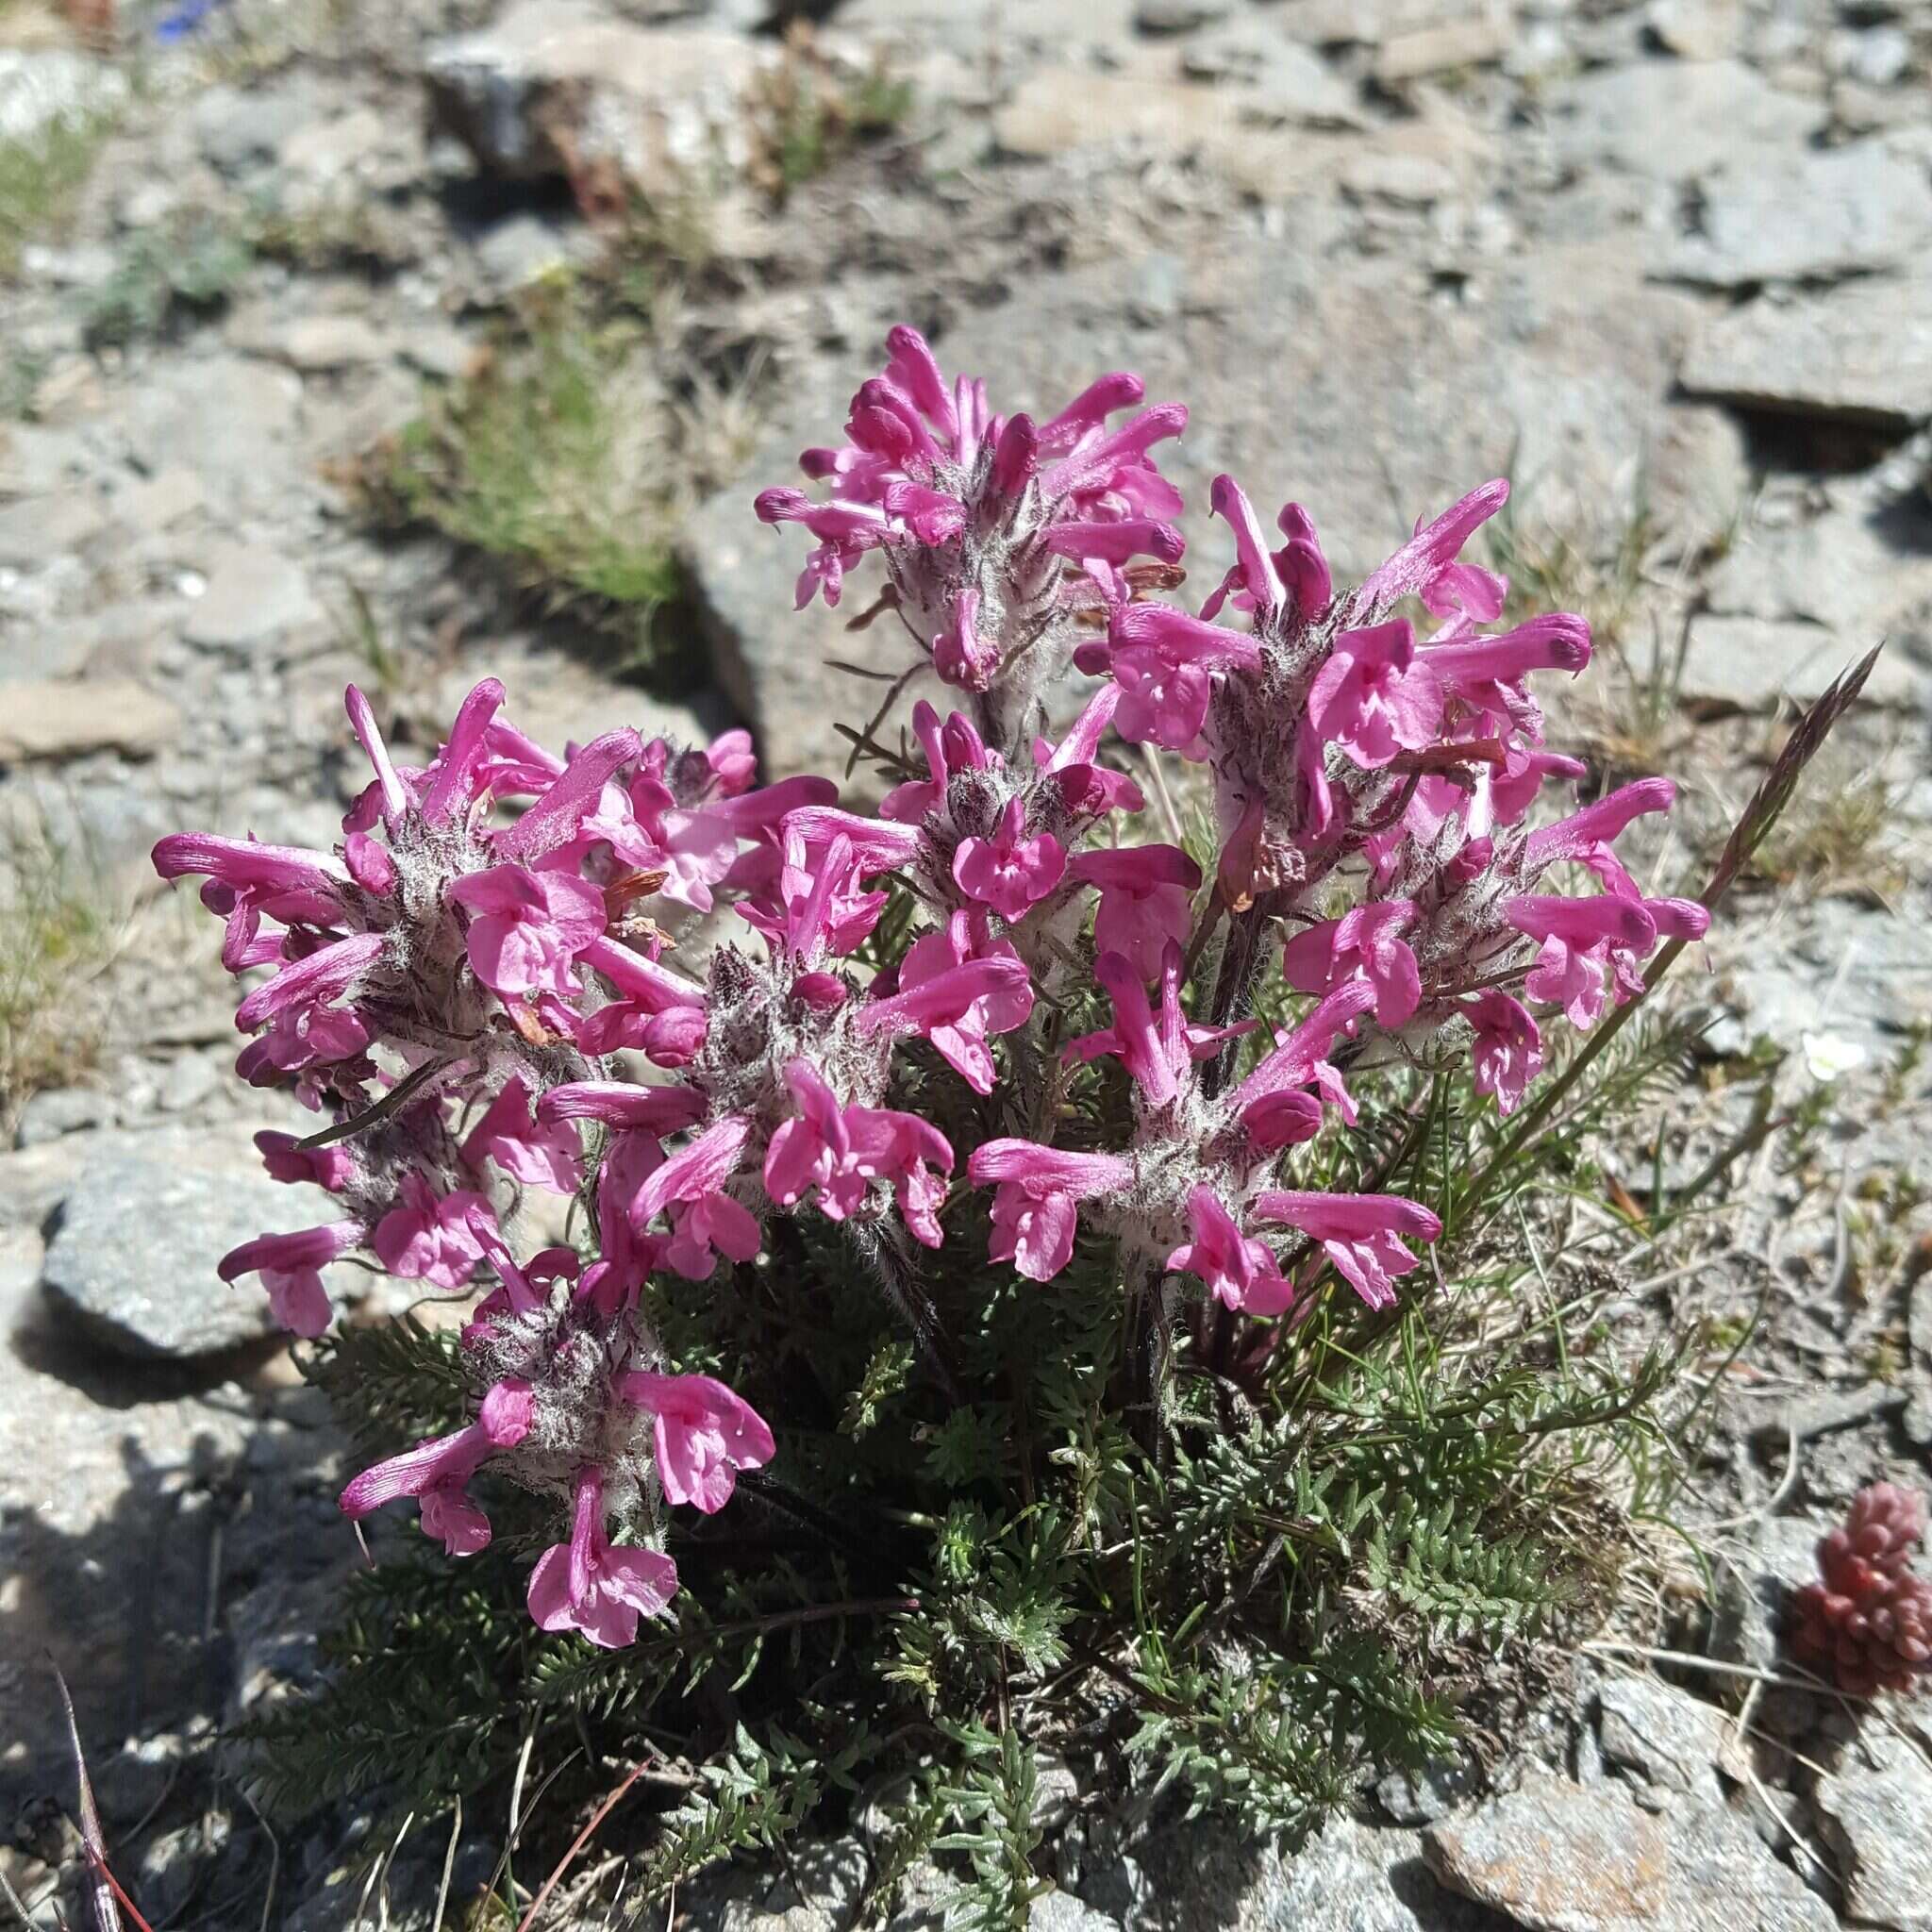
(132, 1258)
(42, 528)
(555, 87)
(525, 247)
(1670, 1738)
(1860, 971)
(228, 418)
(1556, 1857)
(159, 502)
(1477, 42)
(1799, 216)
(1695, 29)
(1863, 352)
(1918, 1417)
(1669, 120)
(1415, 1798)
(62, 1110)
(190, 1079)
(1754, 661)
(253, 597)
(50, 719)
(1178, 16)
(1350, 1877)
(1273, 79)
(1877, 1812)
(311, 344)
(1876, 56)
(830, 1873)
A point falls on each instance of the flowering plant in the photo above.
(991, 1216)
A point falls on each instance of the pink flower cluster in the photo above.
(450, 984)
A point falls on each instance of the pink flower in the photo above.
(528, 927)
(1365, 940)
(708, 1221)
(429, 1238)
(540, 1154)
(1036, 1203)
(818, 907)
(287, 1160)
(1360, 1233)
(437, 1472)
(1425, 566)
(291, 1267)
(704, 1434)
(307, 986)
(1508, 1053)
(1164, 662)
(1374, 696)
(959, 654)
(841, 1150)
(1010, 871)
(658, 1011)
(1242, 1273)
(1144, 900)
(593, 1587)
(1579, 937)
(1088, 788)
(954, 746)
(655, 1110)
(1300, 1059)
(957, 987)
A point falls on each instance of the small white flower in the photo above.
(1826, 1056)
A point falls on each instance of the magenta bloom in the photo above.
(1360, 1233)
(1366, 939)
(291, 1267)
(436, 1472)
(707, 1221)
(1145, 901)
(1579, 938)
(1163, 661)
(593, 1587)
(1509, 1050)
(704, 1434)
(957, 989)
(1429, 567)
(1036, 1205)
(427, 1237)
(1240, 1272)
(841, 1150)
(1374, 697)
(1300, 1059)
(540, 1154)
(1010, 871)
(528, 927)
(287, 1160)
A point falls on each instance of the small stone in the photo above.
(1669, 1736)
(522, 249)
(62, 1110)
(1695, 29)
(1753, 662)
(253, 598)
(132, 1258)
(312, 344)
(440, 349)
(1060, 1911)
(51, 718)
(1178, 16)
(1876, 57)
(159, 502)
(1407, 181)
(1273, 79)
(558, 87)
(189, 1082)
(324, 149)
(1877, 1812)
(42, 528)
(1455, 44)
(1422, 1797)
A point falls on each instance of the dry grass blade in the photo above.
(577, 1844)
(103, 1889)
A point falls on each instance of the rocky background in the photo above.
(405, 340)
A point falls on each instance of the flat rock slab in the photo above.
(1753, 662)
(1863, 352)
(1877, 1807)
(53, 719)
(1672, 120)
(253, 598)
(1553, 1857)
(1794, 215)
(132, 1258)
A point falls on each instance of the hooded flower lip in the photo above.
(597, 1589)
(1239, 1272)
(704, 1433)
(1010, 871)
(527, 927)
(957, 987)
(1145, 900)
(1426, 565)
(291, 1267)
(1360, 1233)
(1036, 1203)
(618, 1103)
(1374, 697)
(1366, 939)
(1508, 1053)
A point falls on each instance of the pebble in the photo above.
(40, 527)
